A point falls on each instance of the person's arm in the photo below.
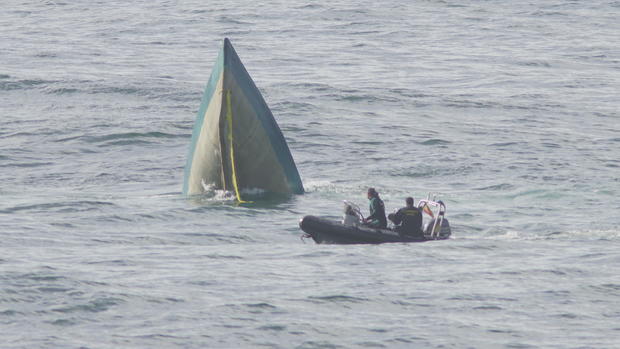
(398, 217)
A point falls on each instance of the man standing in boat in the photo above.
(408, 220)
(377, 211)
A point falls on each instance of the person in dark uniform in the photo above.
(408, 220)
(377, 211)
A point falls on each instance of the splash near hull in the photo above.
(236, 143)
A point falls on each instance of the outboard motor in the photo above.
(438, 228)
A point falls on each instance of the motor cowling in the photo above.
(442, 229)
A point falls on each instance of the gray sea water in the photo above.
(508, 111)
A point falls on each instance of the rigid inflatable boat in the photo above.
(351, 230)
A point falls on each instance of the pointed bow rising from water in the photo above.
(236, 143)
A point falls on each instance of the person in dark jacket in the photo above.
(408, 220)
(377, 211)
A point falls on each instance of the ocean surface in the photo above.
(509, 112)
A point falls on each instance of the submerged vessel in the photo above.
(236, 143)
(350, 229)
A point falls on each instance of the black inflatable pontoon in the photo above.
(326, 231)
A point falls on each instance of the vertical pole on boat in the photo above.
(434, 233)
(440, 216)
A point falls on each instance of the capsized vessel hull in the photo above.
(236, 143)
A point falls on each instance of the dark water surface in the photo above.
(509, 112)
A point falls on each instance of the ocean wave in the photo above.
(94, 306)
(499, 187)
(435, 141)
(211, 193)
(336, 299)
(127, 138)
(356, 96)
(427, 171)
(549, 233)
(23, 84)
(313, 186)
(76, 87)
(22, 164)
(61, 206)
(292, 107)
